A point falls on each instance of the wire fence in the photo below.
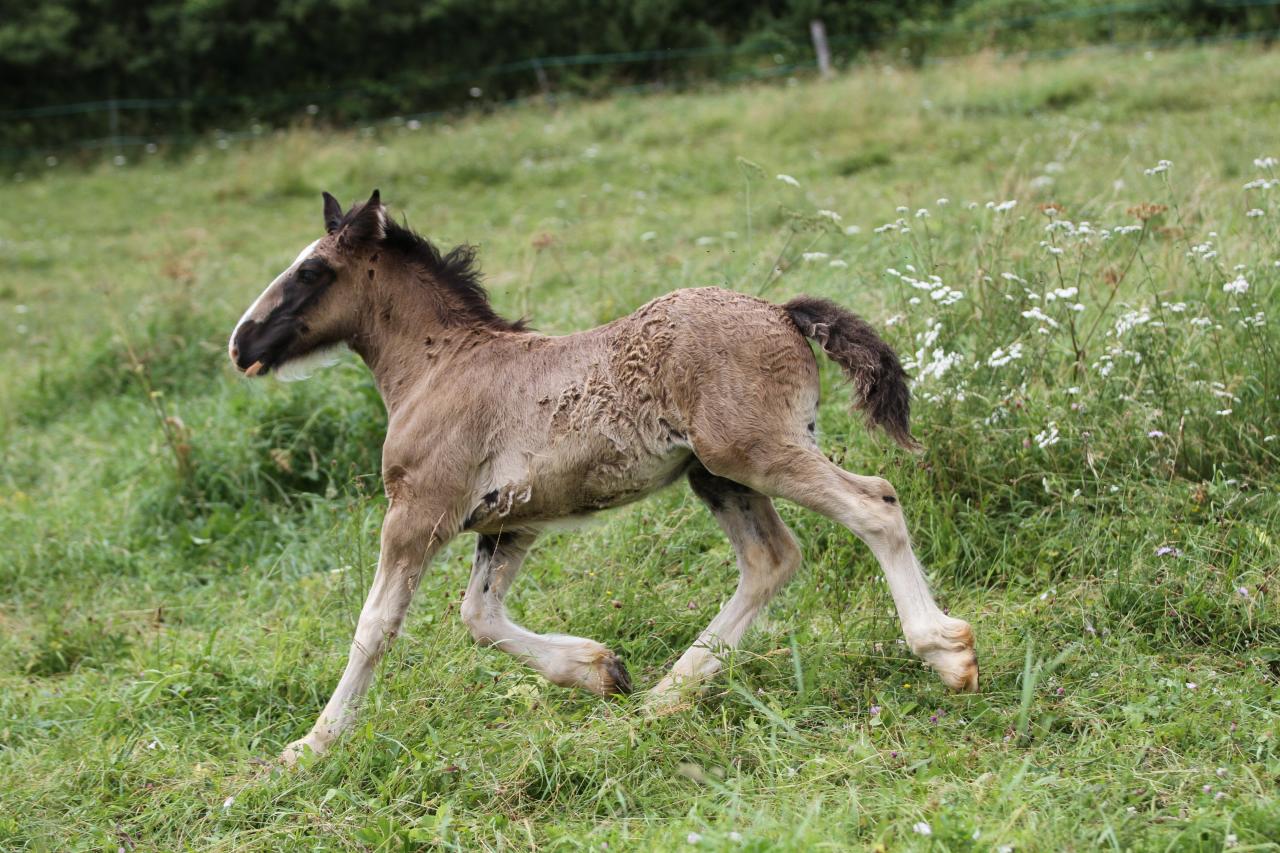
(768, 62)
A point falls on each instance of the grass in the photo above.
(185, 553)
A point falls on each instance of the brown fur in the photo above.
(500, 430)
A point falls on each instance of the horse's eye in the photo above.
(306, 276)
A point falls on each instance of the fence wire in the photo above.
(309, 102)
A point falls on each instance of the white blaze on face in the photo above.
(270, 298)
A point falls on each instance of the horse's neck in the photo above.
(407, 354)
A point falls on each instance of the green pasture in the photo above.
(1095, 343)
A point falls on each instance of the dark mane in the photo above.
(455, 271)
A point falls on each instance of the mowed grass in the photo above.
(185, 553)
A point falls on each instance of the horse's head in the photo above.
(313, 306)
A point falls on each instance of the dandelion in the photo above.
(1255, 213)
(789, 181)
(1158, 169)
(1238, 286)
(922, 828)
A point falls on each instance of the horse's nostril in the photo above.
(235, 353)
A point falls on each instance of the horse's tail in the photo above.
(869, 363)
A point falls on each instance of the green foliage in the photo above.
(185, 552)
(209, 64)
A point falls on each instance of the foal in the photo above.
(501, 431)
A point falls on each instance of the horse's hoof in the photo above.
(614, 678)
(300, 752)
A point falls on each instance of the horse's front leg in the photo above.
(411, 534)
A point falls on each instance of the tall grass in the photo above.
(1092, 335)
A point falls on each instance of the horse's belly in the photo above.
(556, 489)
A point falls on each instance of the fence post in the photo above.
(544, 84)
(113, 124)
(819, 34)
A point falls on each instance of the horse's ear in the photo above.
(367, 225)
(332, 213)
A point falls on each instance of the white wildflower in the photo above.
(1159, 168)
(1132, 319)
(836, 263)
(829, 214)
(1001, 356)
(1266, 162)
(693, 838)
(1036, 314)
(810, 257)
(648, 236)
(943, 202)
(1238, 286)
(922, 213)
(1255, 213)
(852, 230)
(789, 181)
(1048, 437)
(922, 828)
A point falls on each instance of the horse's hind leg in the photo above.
(767, 558)
(869, 507)
(561, 659)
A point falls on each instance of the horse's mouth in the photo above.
(256, 368)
